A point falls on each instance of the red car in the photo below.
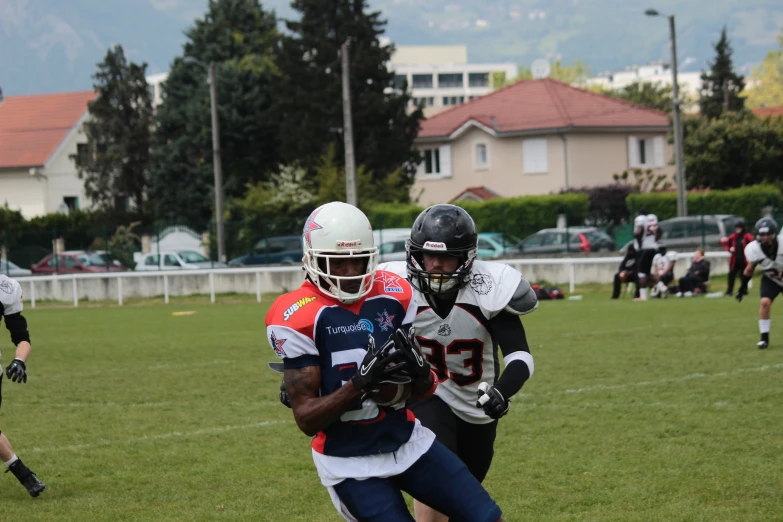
(77, 262)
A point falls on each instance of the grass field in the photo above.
(657, 411)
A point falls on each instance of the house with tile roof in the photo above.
(536, 137)
(38, 136)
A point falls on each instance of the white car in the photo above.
(11, 270)
(176, 260)
(391, 243)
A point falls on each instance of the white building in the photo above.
(154, 84)
(38, 136)
(439, 76)
(689, 82)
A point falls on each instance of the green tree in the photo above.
(310, 97)
(734, 150)
(721, 84)
(239, 36)
(653, 95)
(767, 80)
(115, 165)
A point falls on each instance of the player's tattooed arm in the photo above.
(311, 412)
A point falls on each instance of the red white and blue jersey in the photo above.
(307, 328)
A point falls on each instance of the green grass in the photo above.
(657, 411)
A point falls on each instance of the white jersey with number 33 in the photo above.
(460, 346)
(772, 268)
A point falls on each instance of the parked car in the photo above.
(391, 243)
(176, 260)
(572, 239)
(12, 270)
(76, 262)
(283, 250)
(496, 244)
(685, 233)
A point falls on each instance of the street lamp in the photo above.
(682, 202)
(216, 163)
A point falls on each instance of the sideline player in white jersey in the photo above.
(11, 311)
(663, 267)
(466, 308)
(766, 252)
(646, 233)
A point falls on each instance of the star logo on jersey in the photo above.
(385, 321)
(6, 287)
(444, 330)
(391, 283)
(481, 283)
(277, 344)
(311, 226)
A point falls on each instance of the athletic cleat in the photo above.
(762, 344)
(33, 485)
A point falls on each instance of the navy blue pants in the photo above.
(438, 479)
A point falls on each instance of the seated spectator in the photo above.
(663, 271)
(626, 273)
(696, 278)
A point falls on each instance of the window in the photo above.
(400, 82)
(170, 260)
(71, 262)
(151, 88)
(422, 81)
(392, 247)
(54, 262)
(478, 80)
(645, 152)
(481, 159)
(432, 161)
(436, 162)
(483, 244)
(535, 158)
(190, 256)
(151, 260)
(534, 240)
(453, 100)
(72, 202)
(450, 80)
(82, 154)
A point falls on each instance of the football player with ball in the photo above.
(350, 361)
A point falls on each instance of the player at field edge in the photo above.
(766, 253)
(11, 309)
(342, 335)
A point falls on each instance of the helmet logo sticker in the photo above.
(481, 283)
(434, 245)
(349, 244)
(311, 226)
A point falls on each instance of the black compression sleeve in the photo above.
(17, 325)
(509, 333)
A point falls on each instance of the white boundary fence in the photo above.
(119, 286)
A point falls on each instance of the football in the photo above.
(391, 394)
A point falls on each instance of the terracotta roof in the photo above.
(763, 112)
(533, 105)
(31, 127)
(482, 193)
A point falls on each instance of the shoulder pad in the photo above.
(523, 301)
(10, 296)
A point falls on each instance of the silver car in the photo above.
(12, 270)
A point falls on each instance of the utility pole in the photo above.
(216, 163)
(350, 162)
(682, 199)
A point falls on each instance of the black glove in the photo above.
(284, 395)
(378, 367)
(492, 401)
(414, 362)
(17, 371)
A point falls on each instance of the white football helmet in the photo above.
(333, 231)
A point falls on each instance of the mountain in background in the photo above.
(53, 45)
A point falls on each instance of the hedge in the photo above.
(519, 216)
(747, 202)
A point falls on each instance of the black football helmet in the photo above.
(740, 223)
(768, 228)
(441, 229)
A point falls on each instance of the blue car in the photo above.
(492, 245)
(282, 250)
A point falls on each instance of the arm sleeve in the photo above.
(17, 325)
(509, 333)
